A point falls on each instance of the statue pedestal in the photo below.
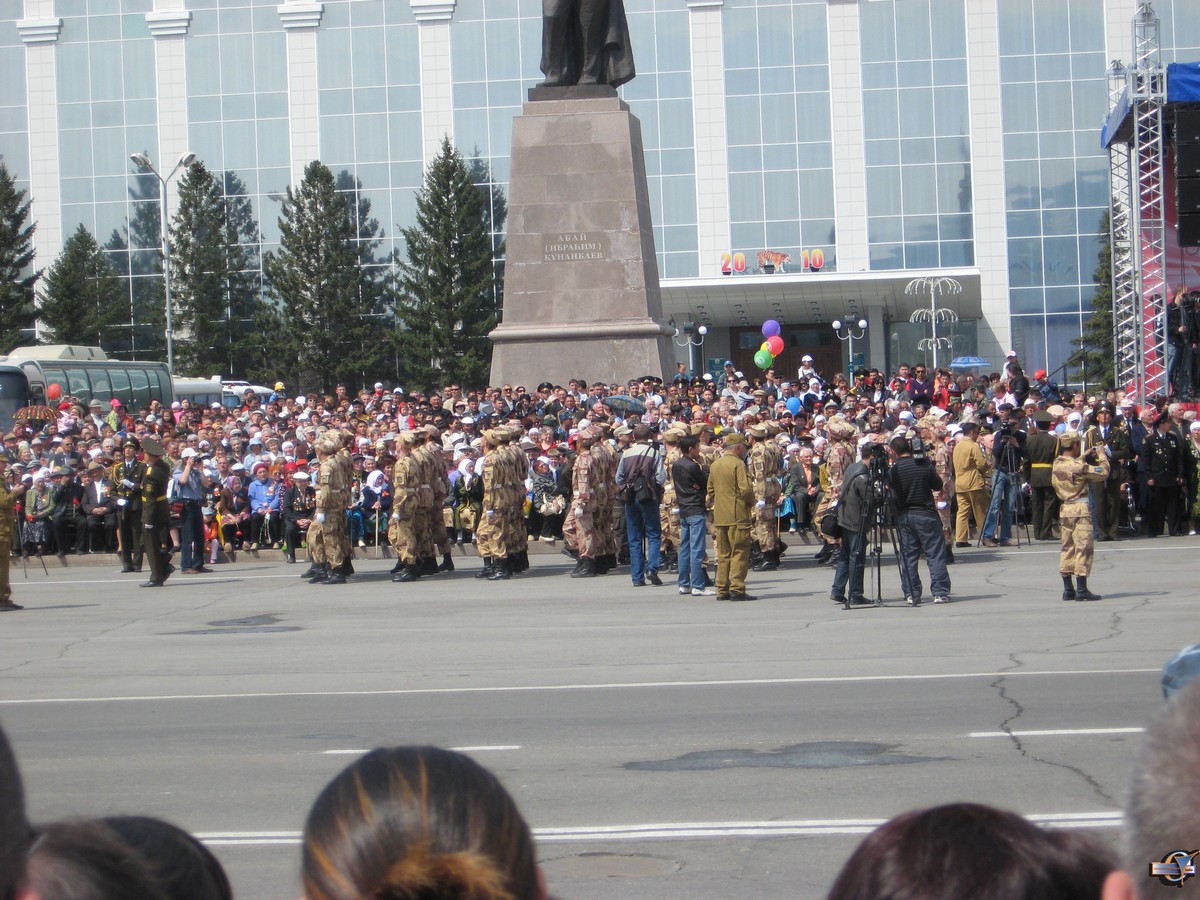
(581, 295)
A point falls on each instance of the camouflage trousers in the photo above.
(579, 532)
(1077, 546)
(403, 538)
(489, 536)
(764, 527)
(329, 543)
(604, 530)
(668, 523)
(818, 514)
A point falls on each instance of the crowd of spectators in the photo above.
(247, 457)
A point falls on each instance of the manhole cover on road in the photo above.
(815, 755)
(264, 624)
(610, 865)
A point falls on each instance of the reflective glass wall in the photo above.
(1053, 96)
(779, 127)
(14, 118)
(661, 98)
(368, 62)
(107, 110)
(916, 127)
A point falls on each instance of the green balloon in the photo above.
(763, 359)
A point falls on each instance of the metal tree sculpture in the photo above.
(935, 287)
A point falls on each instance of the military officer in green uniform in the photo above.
(731, 498)
(1114, 444)
(8, 502)
(1041, 450)
(156, 517)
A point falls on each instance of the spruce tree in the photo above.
(447, 298)
(325, 334)
(17, 280)
(82, 297)
(206, 259)
(1095, 358)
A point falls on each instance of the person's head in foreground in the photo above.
(1162, 812)
(14, 827)
(418, 823)
(967, 851)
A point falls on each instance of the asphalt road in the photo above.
(661, 746)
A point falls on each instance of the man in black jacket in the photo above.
(853, 505)
(691, 487)
(913, 483)
(1161, 465)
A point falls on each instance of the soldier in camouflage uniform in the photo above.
(839, 456)
(406, 500)
(933, 433)
(604, 485)
(489, 534)
(515, 533)
(764, 523)
(332, 501)
(579, 528)
(668, 514)
(1072, 476)
(441, 490)
(423, 517)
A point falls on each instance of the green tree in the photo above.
(82, 297)
(326, 334)
(17, 280)
(447, 288)
(1095, 357)
(207, 268)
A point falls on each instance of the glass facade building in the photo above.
(870, 142)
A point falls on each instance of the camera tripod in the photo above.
(1016, 484)
(876, 528)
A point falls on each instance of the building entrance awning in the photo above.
(812, 297)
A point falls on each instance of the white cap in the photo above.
(379, 385)
(188, 453)
(906, 416)
(1010, 354)
(806, 358)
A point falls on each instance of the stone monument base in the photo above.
(581, 292)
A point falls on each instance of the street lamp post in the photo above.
(142, 161)
(846, 333)
(690, 342)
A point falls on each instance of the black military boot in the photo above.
(1081, 591)
(780, 549)
(587, 568)
(447, 563)
(486, 571)
(427, 565)
(570, 551)
(500, 571)
(321, 575)
(756, 554)
(1068, 588)
(406, 574)
(346, 569)
(335, 577)
(769, 562)
(398, 567)
(578, 566)
(313, 571)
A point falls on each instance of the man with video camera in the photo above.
(914, 482)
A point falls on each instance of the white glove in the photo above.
(148, 527)
(674, 510)
(320, 518)
(396, 516)
(578, 511)
(761, 504)
(122, 501)
(490, 513)
(942, 504)
(126, 483)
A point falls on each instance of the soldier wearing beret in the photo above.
(1073, 472)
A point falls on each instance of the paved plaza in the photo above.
(661, 746)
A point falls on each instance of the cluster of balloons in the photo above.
(771, 347)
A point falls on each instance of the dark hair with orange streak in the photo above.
(417, 823)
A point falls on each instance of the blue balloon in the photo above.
(793, 405)
(771, 328)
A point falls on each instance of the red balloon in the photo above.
(54, 392)
(775, 344)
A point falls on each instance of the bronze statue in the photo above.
(585, 42)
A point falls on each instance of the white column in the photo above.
(708, 110)
(437, 93)
(39, 31)
(300, 21)
(987, 167)
(169, 24)
(1118, 18)
(849, 161)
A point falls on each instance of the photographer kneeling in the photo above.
(914, 483)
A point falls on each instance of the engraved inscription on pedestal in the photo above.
(577, 247)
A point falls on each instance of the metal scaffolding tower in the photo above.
(1126, 333)
(1148, 90)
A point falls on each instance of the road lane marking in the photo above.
(1055, 732)
(344, 752)
(475, 749)
(615, 685)
(685, 830)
